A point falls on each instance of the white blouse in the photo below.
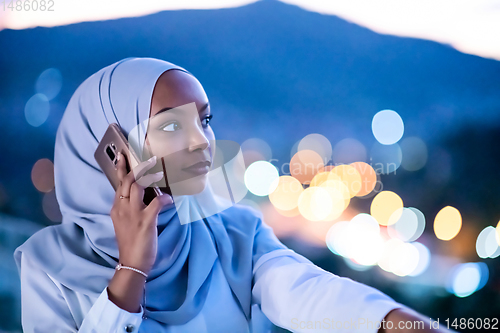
(288, 289)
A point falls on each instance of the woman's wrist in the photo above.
(126, 290)
(121, 266)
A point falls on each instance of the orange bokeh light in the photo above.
(368, 177)
(305, 164)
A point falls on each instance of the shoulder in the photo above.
(241, 219)
(44, 248)
(34, 277)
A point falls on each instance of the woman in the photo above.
(223, 273)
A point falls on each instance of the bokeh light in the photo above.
(323, 176)
(348, 151)
(386, 158)
(368, 178)
(315, 203)
(365, 245)
(318, 143)
(388, 257)
(260, 178)
(405, 259)
(339, 196)
(350, 177)
(305, 164)
(341, 188)
(404, 224)
(42, 175)
(335, 239)
(387, 127)
(49, 83)
(424, 259)
(421, 223)
(399, 258)
(286, 193)
(326, 168)
(358, 239)
(36, 110)
(467, 278)
(50, 207)
(486, 243)
(355, 266)
(414, 152)
(447, 223)
(384, 205)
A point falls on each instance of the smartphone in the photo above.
(106, 154)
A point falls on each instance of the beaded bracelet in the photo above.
(120, 266)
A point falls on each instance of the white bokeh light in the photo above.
(486, 243)
(424, 259)
(406, 259)
(260, 178)
(387, 127)
(406, 224)
(49, 83)
(318, 143)
(335, 239)
(36, 110)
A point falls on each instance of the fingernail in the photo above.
(119, 156)
(152, 159)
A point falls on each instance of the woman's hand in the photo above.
(135, 223)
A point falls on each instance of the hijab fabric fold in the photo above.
(82, 251)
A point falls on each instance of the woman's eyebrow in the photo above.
(203, 108)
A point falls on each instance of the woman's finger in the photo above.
(136, 173)
(142, 167)
(121, 168)
(121, 171)
(137, 188)
(147, 180)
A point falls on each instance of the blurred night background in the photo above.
(287, 81)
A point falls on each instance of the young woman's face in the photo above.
(179, 134)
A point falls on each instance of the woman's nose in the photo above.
(197, 139)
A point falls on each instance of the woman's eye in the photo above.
(171, 127)
(206, 121)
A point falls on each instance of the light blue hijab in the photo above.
(81, 252)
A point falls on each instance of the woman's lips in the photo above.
(198, 169)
